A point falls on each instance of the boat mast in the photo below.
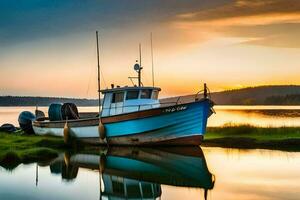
(98, 66)
(140, 69)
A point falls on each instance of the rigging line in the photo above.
(89, 82)
(146, 80)
(152, 60)
(100, 69)
(92, 71)
(102, 75)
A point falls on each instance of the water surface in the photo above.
(152, 174)
(263, 116)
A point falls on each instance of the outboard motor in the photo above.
(69, 111)
(25, 121)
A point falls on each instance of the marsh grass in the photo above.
(259, 133)
(247, 136)
(17, 148)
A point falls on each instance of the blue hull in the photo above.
(162, 167)
(175, 122)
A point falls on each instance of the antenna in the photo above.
(98, 66)
(152, 60)
(140, 69)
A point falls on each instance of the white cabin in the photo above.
(121, 100)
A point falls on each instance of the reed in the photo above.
(247, 136)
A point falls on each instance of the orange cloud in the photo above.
(227, 19)
(243, 8)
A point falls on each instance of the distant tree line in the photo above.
(262, 95)
(292, 99)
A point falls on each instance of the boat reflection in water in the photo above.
(137, 173)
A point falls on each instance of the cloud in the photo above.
(179, 22)
(245, 8)
(270, 18)
(29, 20)
(283, 35)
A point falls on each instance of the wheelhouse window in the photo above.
(117, 97)
(155, 94)
(146, 94)
(132, 94)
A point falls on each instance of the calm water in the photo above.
(152, 174)
(173, 173)
(265, 116)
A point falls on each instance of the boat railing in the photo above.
(114, 109)
(178, 100)
(198, 94)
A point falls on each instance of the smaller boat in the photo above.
(131, 116)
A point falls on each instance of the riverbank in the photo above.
(250, 137)
(17, 148)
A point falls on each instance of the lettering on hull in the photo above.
(175, 109)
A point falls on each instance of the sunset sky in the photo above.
(48, 48)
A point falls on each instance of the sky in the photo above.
(48, 47)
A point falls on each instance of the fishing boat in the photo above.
(138, 173)
(132, 115)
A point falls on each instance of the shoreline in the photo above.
(250, 137)
(16, 148)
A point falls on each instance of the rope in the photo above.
(208, 92)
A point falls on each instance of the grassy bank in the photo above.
(16, 149)
(246, 136)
